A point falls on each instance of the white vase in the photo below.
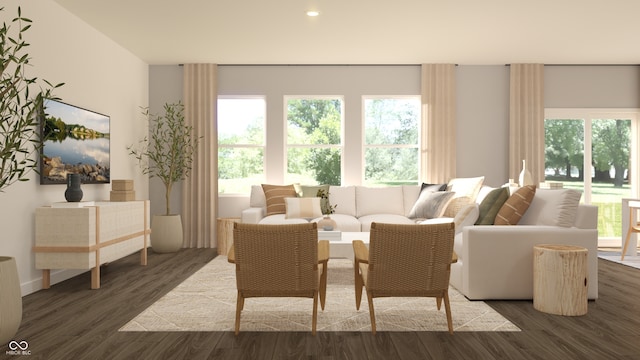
(327, 223)
(10, 299)
(525, 176)
(166, 233)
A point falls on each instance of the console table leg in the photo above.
(143, 256)
(46, 279)
(95, 277)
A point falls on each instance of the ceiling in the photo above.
(370, 31)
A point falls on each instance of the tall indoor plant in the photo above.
(20, 105)
(167, 153)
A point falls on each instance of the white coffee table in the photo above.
(343, 248)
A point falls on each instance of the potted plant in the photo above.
(167, 153)
(19, 143)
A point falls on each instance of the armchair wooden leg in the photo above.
(438, 302)
(372, 314)
(358, 284)
(447, 309)
(314, 319)
(239, 306)
(323, 285)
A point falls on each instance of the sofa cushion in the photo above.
(511, 212)
(379, 200)
(491, 204)
(275, 194)
(466, 190)
(278, 219)
(365, 221)
(430, 204)
(304, 207)
(344, 223)
(556, 207)
(344, 199)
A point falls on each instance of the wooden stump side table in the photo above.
(560, 279)
(224, 233)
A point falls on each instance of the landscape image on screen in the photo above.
(75, 140)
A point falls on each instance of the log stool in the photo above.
(224, 234)
(560, 279)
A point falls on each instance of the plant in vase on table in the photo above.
(326, 223)
(167, 153)
(20, 107)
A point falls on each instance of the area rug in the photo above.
(633, 261)
(206, 301)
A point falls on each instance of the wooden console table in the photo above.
(87, 237)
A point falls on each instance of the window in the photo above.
(241, 143)
(314, 140)
(591, 150)
(391, 145)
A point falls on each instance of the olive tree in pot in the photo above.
(167, 153)
(20, 142)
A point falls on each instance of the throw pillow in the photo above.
(511, 212)
(305, 207)
(433, 187)
(491, 204)
(466, 190)
(274, 195)
(430, 204)
(554, 207)
(312, 191)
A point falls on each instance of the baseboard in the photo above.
(56, 276)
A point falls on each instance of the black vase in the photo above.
(73, 192)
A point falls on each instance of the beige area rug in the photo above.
(207, 300)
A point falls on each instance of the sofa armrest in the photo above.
(252, 215)
(497, 261)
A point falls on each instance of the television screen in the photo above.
(75, 140)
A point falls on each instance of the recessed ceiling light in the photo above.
(313, 13)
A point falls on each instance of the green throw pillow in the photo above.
(491, 204)
(312, 191)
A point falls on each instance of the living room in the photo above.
(104, 76)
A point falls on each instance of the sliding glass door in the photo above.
(594, 151)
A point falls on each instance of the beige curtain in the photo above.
(438, 145)
(526, 120)
(200, 190)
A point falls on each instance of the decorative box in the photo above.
(122, 185)
(123, 195)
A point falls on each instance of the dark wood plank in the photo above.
(71, 321)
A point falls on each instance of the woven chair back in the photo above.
(276, 260)
(409, 260)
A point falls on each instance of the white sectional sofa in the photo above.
(494, 261)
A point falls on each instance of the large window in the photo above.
(241, 144)
(391, 145)
(591, 150)
(314, 140)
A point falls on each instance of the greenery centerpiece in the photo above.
(166, 153)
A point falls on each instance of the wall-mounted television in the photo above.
(74, 140)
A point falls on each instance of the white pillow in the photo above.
(305, 207)
(466, 190)
(554, 207)
(257, 198)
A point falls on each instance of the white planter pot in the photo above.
(10, 299)
(166, 233)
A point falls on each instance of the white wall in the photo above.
(98, 75)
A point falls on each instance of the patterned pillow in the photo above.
(274, 195)
(430, 204)
(466, 190)
(491, 204)
(305, 208)
(511, 212)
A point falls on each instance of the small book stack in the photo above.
(122, 190)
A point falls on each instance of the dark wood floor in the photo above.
(70, 321)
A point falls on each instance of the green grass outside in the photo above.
(609, 201)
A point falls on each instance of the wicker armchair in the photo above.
(279, 261)
(405, 261)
